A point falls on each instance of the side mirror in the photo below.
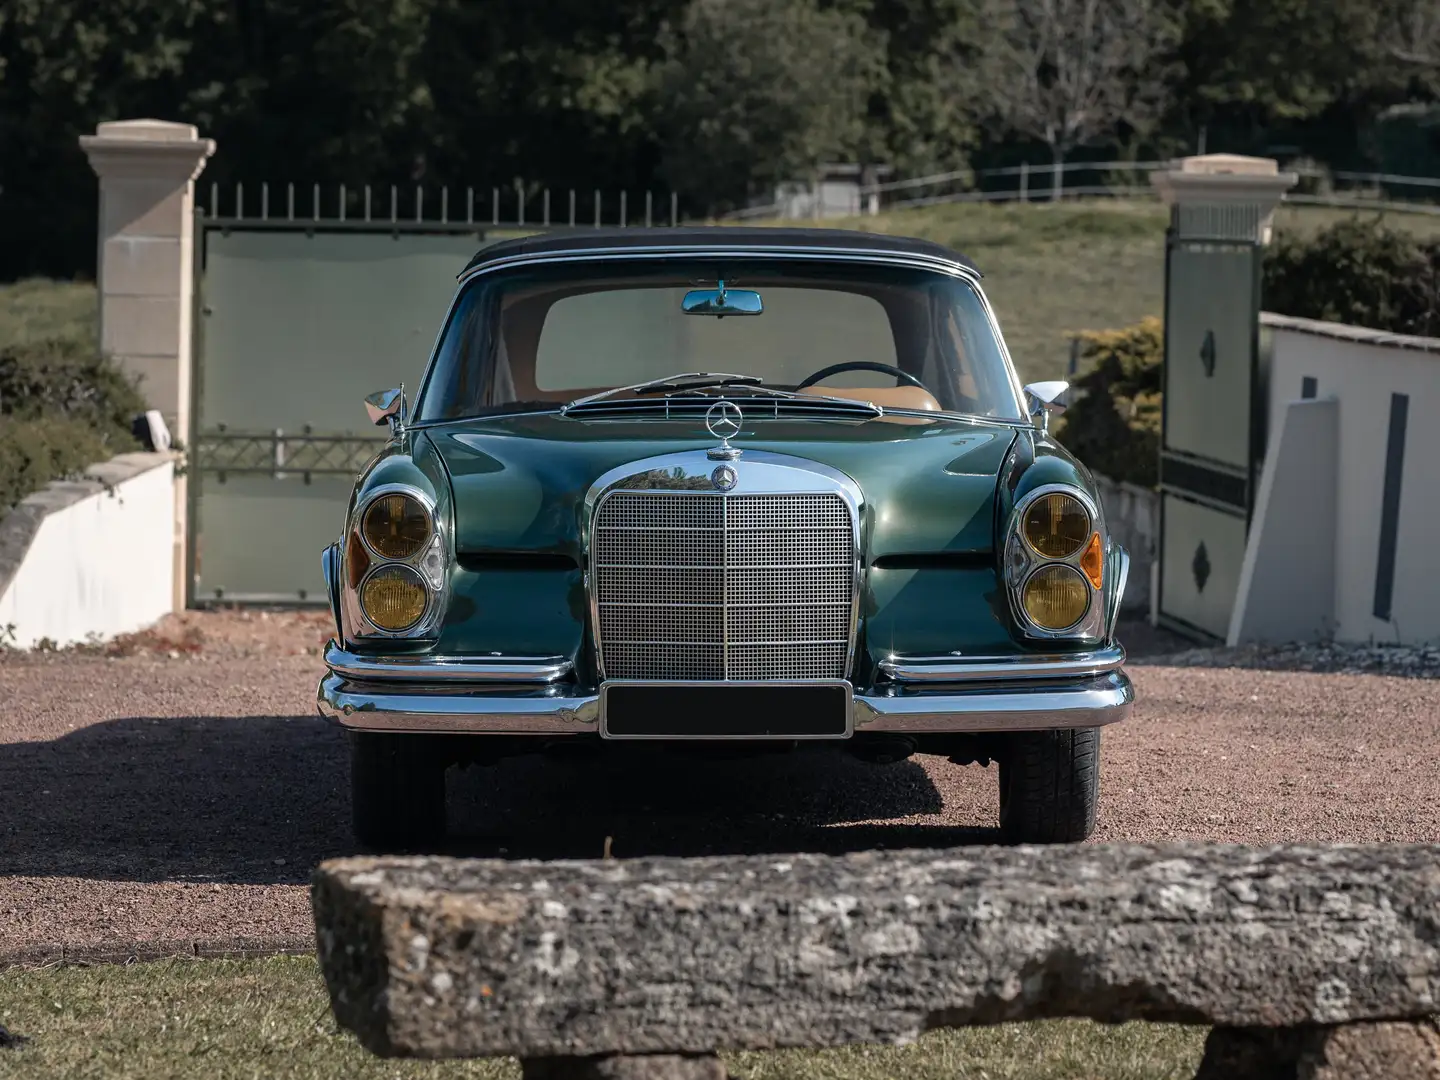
(387, 407)
(1040, 400)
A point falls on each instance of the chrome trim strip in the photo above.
(1093, 703)
(436, 669)
(956, 669)
(849, 698)
(714, 251)
(501, 710)
(1112, 617)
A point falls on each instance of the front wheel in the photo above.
(397, 790)
(1049, 786)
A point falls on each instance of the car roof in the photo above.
(641, 238)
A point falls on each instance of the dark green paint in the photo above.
(520, 482)
(517, 485)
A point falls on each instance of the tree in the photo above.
(1073, 72)
(756, 92)
(1410, 32)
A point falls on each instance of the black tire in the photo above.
(1049, 786)
(397, 791)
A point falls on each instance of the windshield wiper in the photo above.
(690, 380)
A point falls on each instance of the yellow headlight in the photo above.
(396, 526)
(1055, 597)
(393, 598)
(1056, 526)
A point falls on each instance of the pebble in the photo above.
(1406, 661)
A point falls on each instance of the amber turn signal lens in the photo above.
(1056, 525)
(393, 598)
(1056, 597)
(1093, 561)
(396, 526)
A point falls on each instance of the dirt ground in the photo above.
(171, 793)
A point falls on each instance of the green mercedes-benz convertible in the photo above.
(742, 486)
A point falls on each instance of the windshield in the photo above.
(541, 336)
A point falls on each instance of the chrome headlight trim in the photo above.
(430, 562)
(1022, 561)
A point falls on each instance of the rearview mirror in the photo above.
(1041, 400)
(721, 301)
(387, 407)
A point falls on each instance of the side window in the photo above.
(457, 384)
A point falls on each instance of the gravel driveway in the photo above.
(172, 793)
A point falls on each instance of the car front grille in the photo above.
(699, 585)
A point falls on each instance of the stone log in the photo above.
(589, 961)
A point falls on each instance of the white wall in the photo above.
(98, 565)
(1132, 516)
(1362, 369)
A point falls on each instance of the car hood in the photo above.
(520, 482)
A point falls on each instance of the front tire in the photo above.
(1049, 786)
(397, 791)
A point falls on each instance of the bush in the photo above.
(1359, 272)
(62, 407)
(1114, 426)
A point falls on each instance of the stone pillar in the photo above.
(1223, 195)
(146, 266)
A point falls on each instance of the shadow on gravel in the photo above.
(262, 799)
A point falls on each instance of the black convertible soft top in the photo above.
(641, 238)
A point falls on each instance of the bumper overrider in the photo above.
(539, 695)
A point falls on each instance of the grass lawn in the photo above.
(36, 309)
(270, 1017)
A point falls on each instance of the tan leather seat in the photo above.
(887, 397)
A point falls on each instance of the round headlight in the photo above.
(393, 598)
(1056, 525)
(396, 526)
(1055, 597)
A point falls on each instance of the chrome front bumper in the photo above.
(532, 695)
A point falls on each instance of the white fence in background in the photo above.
(1116, 179)
(1343, 538)
(84, 560)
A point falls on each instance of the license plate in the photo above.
(725, 710)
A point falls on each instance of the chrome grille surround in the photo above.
(757, 583)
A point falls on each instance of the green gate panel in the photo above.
(1201, 552)
(1210, 322)
(260, 539)
(296, 327)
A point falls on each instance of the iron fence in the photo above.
(366, 205)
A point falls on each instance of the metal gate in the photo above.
(295, 325)
(296, 319)
(1211, 440)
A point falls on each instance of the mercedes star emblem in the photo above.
(723, 420)
(723, 477)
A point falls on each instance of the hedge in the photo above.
(1114, 424)
(1359, 272)
(63, 407)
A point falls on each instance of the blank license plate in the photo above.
(710, 710)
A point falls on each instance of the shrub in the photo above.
(1360, 272)
(1114, 426)
(62, 407)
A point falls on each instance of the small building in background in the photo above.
(836, 191)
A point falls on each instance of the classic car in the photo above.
(736, 487)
